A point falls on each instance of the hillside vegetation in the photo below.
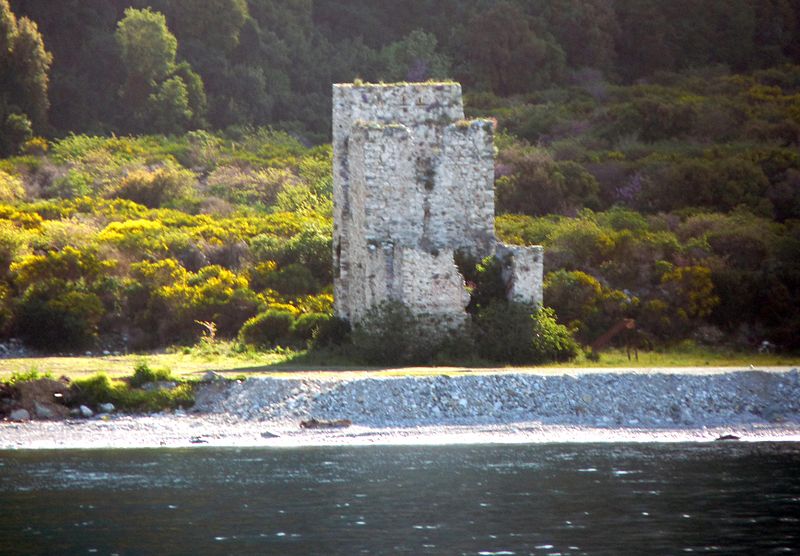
(161, 182)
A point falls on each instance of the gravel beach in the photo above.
(584, 405)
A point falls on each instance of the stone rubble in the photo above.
(597, 399)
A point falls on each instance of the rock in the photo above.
(160, 385)
(19, 415)
(211, 376)
(267, 434)
(43, 412)
(106, 408)
(85, 411)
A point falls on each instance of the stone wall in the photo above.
(413, 184)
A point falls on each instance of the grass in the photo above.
(192, 363)
(100, 388)
(687, 356)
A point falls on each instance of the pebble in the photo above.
(593, 398)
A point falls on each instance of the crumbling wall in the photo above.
(413, 183)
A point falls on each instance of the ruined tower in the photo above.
(413, 184)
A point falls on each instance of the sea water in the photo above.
(723, 498)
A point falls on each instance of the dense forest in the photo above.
(166, 160)
(223, 63)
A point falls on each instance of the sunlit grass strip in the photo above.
(292, 363)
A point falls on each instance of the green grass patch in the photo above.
(685, 356)
(190, 366)
(100, 388)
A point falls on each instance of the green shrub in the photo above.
(143, 374)
(99, 388)
(390, 334)
(331, 332)
(306, 326)
(488, 285)
(10, 188)
(250, 187)
(583, 304)
(268, 329)
(55, 321)
(27, 376)
(552, 341)
(155, 188)
(517, 333)
(293, 280)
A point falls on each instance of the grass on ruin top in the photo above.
(429, 83)
(192, 363)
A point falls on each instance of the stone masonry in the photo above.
(414, 184)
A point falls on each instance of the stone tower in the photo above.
(413, 183)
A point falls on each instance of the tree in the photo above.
(415, 58)
(509, 53)
(147, 47)
(24, 66)
(641, 44)
(216, 22)
(161, 95)
(169, 107)
(585, 29)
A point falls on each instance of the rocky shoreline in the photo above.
(476, 407)
(581, 398)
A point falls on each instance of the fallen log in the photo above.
(317, 424)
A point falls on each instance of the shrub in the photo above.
(583, 304)
(331, 332)
(155, 188)
(28, 376)
(62, 320)
(307, 325)
(390, 334)
(10, 188)
(487, 283)
(244, 186)
(143, 374)
(511, 332)
(531, 182)
(552, 341)
(294, 279)
(310, 247)
(268, 329)
(100, 388)
(36, 146)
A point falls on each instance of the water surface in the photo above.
(521, 499)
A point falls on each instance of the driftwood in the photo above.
(317, 424)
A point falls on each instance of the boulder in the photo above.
(19, 415)
(43, 411)
(85, 411)
(106, 408)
